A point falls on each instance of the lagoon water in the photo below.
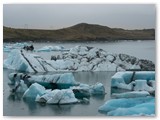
(14, 105)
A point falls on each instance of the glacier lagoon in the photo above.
(140, 49)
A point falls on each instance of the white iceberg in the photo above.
(132, 94)
(51, 48)
(78, 58)
(114, 106)
(45, 97)
(65, 96)
(34, 90)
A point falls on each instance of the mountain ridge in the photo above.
(78, 32)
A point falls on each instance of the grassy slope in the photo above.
(81, 31)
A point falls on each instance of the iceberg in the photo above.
(81, 91)
(40, 94)
(128, 79)
(51, 48)
(144, 109)
(9, 47)
(25, 62)
(98, 88)
(79, 58)
(135, 106)
(34, 90)
(85, 91)
(65, 96)
(132, 94)
(54, 81)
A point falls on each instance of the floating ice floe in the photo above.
(131, 106)
(9, 47)
(79, 58)
(132, 94)
(81, 91)
(34, 90)
(65, 96)
(54, 81)
(138, 81)
(40, 94)
(51, 48)
(98, 88)
(84, 90)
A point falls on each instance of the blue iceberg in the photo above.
(130, 106)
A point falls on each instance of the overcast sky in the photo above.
(54, 16)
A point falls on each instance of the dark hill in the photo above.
(82, 31)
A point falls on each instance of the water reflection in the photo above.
(98, 97)
(31, 104)
(15, 96)
(61, 109)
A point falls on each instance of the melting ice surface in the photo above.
(32, 108)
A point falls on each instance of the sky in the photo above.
(56, 16)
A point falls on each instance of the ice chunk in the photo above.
(132, 94)
(65, 96)
(22, 88)
(123, 103)
(48, 95)
(50, 48)
(45, 49)
(34, 90)
(16, 61)
(22, 61)
(143, 109)
(81, 91)
(67, 78)
(83, 51)
(98, 88)
(74, 50)
(124, 79)
(84, 90)
(54, 81)
(141, 85)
